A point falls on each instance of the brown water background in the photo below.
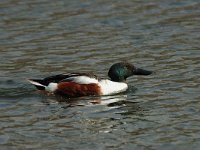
(39, 38)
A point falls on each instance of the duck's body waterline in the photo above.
(83, 84)
(91, 87)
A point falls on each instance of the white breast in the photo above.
(109, 87)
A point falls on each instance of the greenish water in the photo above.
(39, 38)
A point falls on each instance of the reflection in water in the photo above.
(91, 100)
(119, 104)
(44, 38)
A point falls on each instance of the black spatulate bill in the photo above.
(139, 71)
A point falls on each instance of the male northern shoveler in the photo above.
(84, 84)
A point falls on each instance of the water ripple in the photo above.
(40, 38)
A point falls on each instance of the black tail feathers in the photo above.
(39, 84)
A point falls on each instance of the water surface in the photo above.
(42, 38)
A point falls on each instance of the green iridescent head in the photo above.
(120, 71)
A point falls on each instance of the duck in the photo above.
(88, 84)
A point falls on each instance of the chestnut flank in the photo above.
(71, 89)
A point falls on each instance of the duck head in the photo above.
(120, 71)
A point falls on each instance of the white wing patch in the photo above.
(110, 87)
(82, 80)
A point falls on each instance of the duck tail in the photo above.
(39, 84)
